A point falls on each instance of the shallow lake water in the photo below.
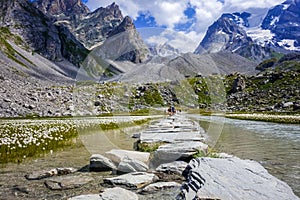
(275, 146)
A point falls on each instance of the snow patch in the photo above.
(274, 21)
(288, 44)
(260, 36)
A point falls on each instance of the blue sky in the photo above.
(184, 21)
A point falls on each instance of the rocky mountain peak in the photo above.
(228, 34)
(283, 21)
(59, 7)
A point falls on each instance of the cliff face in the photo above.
(92, 29)
(39, 31)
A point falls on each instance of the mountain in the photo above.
(40, 33)
(227, 33)
(92, 28)
(284, 22)
(163, 50)
(255, 35)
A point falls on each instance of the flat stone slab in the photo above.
(67, 182)
(101, 163)
(175, 151)
(86, 197)
(170, 137)
(173, 129)
(176, 167)
(154, 187)
(117, 155)
(133, 180)
(131, 165)
(118, 193)
(233, 178)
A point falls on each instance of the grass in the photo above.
(211, 153)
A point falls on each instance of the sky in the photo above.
(181, 23)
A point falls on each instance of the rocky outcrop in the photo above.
(231, 178)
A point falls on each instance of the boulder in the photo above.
(154, 187)
(101, 163)
(117, 155)
(176, 167)
(133, 180)
(232, 178)
(67, 182)
(131, 165)
(118, 193)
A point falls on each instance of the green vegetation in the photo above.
(11, 53)
(149, 147)
(210, 153)
(210, 90)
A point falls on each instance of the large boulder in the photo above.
(133, 180)
(117, 155)
(131, 165)
(101, 163)
(232, 178)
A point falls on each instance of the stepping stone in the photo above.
(67, 182)
(176, 167)
(117, 155)
(133, 180)
(177, 151)
(101, 163)
(86, 197)
(155, 187)
(118, 193)
(131, 165)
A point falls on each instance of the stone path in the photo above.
(178, 138)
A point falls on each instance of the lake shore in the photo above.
(277, 118)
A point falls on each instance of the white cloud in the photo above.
(170, 13)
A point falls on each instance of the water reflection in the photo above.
(99, 141)
(275, 146)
